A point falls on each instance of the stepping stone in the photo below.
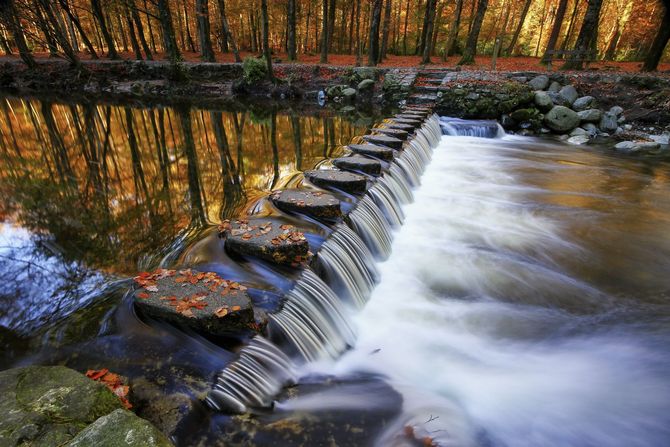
(312, 203)
(415, 115)
(406, 127)
(407, 121)
(396, 133)
(384, 140)
(344, 181)
(265, 238)
(199, 300)
(409, 116)
(373, 150)
(359, 163)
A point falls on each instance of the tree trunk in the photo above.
(170, 40)
(385, 31)
(571, 27)
(430, 15)
(660, 41)
(291, 37)
(453, 31)
(404, 33)
(471, 46)
(131, 32)
(77, 24)
(96, 8)
(266, 39)
(331, 23)
(140, 30)
(226, 30)
(324, 34)
(519, 27)
(60, 34)
(10, 19)
(187, 25)
(590, 24)
(202, 16)
(375, 18)
(426, 17)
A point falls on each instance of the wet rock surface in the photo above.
(317, 204)
(384, 140)
(199, 300)
(395, 133)
(562, 119)
(406, 127)
(344, 181)
(265, 238)
(120, 428)
(373, 150)
(359, 163)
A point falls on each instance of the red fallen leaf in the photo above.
(286, 227)
(95, 375)
(246, 236)
(275, 241)
(111, 378)
(143, 295)
(221, 312)
(181, 279)
(235, 308)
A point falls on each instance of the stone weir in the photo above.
(333, 278)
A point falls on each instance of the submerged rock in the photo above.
(579, 139)
(317, 204)
(373, 150)
(120, 428)
(359, 163)
(265, 238)
(200, 300)
(635, 147)
(384, 140)
(344, 181)
(561, 119)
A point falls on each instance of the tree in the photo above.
(324, 34)
(385, 31)
(471, 45)
(450, 48)
(291, 46)
(169, 38)
(660, 41)
(519, 27)
(10, 19)
(556, 30)
(225, 29)
(266, 39)
(373, 46)
(99, 15)
(586, 35)
(202, 14)
(430, 15)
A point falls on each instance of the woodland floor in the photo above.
(481, 62)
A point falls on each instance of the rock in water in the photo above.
(569, 94)
(120, 428)
(578, 140)
(384, 140)
(543, 101)
(635, 147)
(395, 133)
(561, 119)
(359, 163)
(590, 115)
(407, 121)
(373, 150)
(584, 103)
(265, 238)
(317, 204)
(344, 181)
(200, 300)
(608, 122)
(406, 127)
(540, 82)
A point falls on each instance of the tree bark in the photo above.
(586, 34)
(131, 32)
(291, 37)
(660, 41)
(453, 31)
(77, 24)
(266, 39)
(226, 30)
(519, 27)
(430, 14)
(96, 7)
(170, 40)
(11, 20)
(471, 46)
(385, 31)
(140, 30)
(202, 16)
(375, 18)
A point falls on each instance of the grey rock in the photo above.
(396, 133)
(628, 127)
(398, 119)
(373, 150)
(660, 139)
(349, 93)
(520, 115)
(584, 103)
(406, 127)
(590, 115)
(621, 120)
(578, 131)
(366, 84)
(591, 128)
(616, 110)
(120, 428)
(317, 204)
(472, 96)
(608, 122)
(561, 119)
(578, 140)
(635, 147)
(507, 122)
(569, 93)
(543, 101)
(555, 87)
(384, 140)
(335, 179)
(364, 73)
(558, 100)
(540, 82)
(359, 163)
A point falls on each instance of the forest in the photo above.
(575, 32)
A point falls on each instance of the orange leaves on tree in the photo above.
(112, 381)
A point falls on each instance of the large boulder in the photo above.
(555, 87)
(49, 405)
(365, 85)
(120, 428)
(561, 119)
(199, 300)
(521, 115)
(317, 204)
(569, 94)
(265, 238)
(608, 122)
(590, 115)
(540, 82)
(584, 103)
(543, 101)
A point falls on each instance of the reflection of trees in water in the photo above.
(110, 184)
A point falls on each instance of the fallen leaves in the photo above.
(112, 381)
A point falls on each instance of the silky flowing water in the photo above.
(522, 291)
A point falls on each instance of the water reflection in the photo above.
(116, 188)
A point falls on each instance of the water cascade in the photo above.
(470, 128)
(369, 222)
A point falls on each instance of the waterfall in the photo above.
(313, 322)
(467, 128)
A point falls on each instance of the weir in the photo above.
(314, 321)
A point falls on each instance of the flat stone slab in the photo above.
(409, 121)
(312, 203)
(265, 238)
(344, 181)
(395, 133)
(384, 140)
(373, 150)
(415, 114)
(406, 127)
(359, 163)
(200, 300)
